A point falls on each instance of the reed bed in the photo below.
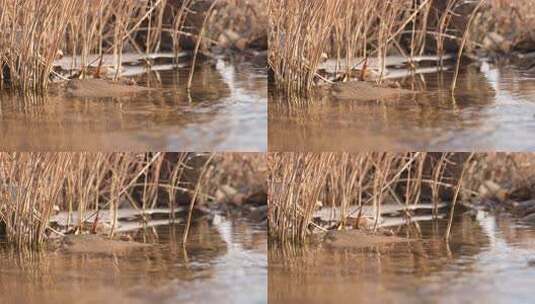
(302, 33)
(35, 185)
(300, 183)
(33, 34)
(30, 38)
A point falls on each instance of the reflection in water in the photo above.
(487, 261)
(226, 110)
(224, 263)
(490, 105)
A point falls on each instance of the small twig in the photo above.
(459, 185)
(199, 40)
(194, 198)
(323, 78)
(125, 188)
(463, 43)
(55, 231)
(132, 30)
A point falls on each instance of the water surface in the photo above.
(490, 259)
(226, 110)
(224, 262)
(493, 109)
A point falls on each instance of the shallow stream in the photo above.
(226, 110)
(225, 262)
(493, 109)
(490, 259)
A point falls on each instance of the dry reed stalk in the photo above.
(456, 195)
(463, 43)
(294, 187)
(31, 34)
(176, 176)
(301, 32)
(199, 40)
(178, 23)
(438, 171)
(34, 32)
(104, 26)
(299, 183)
(83, 184)
(196, 194)
(33, 184)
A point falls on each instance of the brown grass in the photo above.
(246, 19)
(303, 31)
(31, 34)
(34, 33)
(32, 184)
(513, 172)
(299, 181)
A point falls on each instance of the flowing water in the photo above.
(493, 109)
(226, 109)
(489, 259)
(225, 262)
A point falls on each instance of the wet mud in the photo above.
(366, 91)
(100, 88)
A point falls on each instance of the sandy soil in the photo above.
(95, 244)
(355, 239)
(98, 88)
(364, 91)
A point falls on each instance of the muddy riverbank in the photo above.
(357, 239)
(100, 88)
(360, 91)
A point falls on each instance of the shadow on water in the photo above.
(226, 110)
(489, 258)
(225, 262)
(490, 104)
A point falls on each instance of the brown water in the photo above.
(493, 109)
(224, 262)
(490, 259)
(225, 110)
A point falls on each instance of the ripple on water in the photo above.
(491, 104)
(487, 259)
(210, 270)
(226, 110)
